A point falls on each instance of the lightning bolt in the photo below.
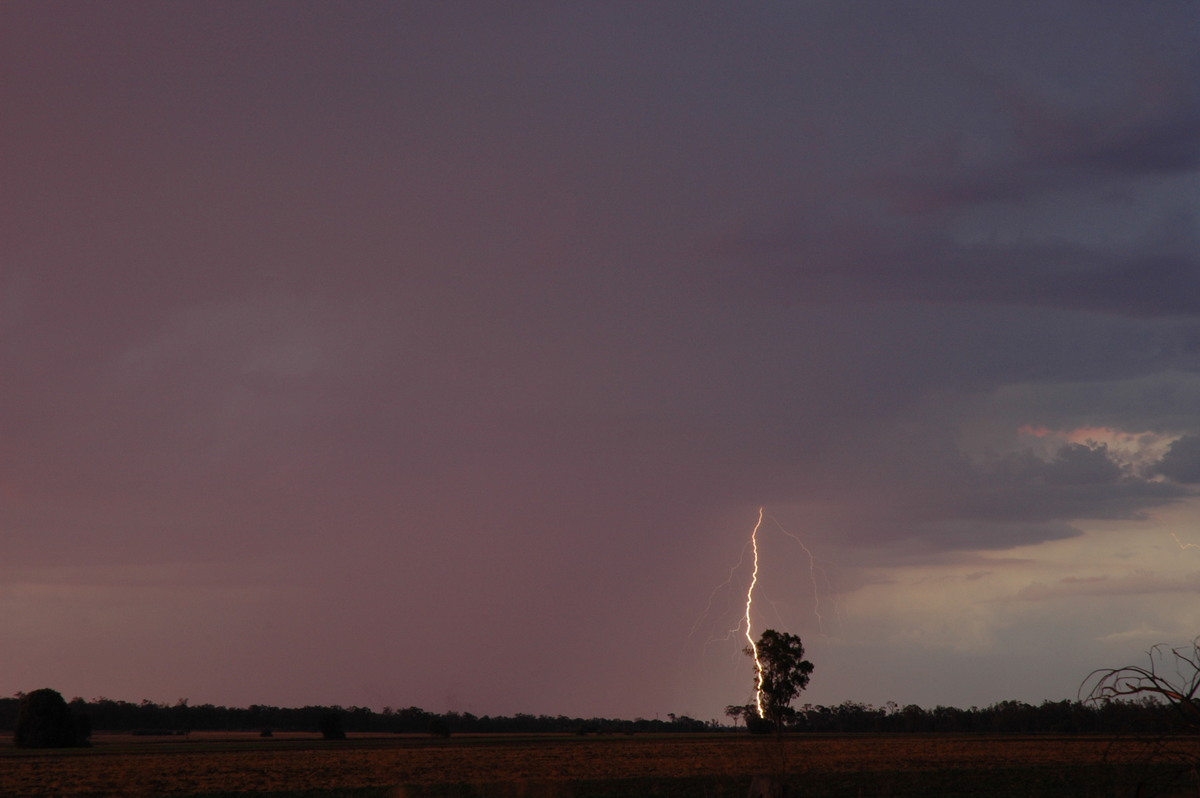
(728, 581)
(758, 666)
(1183, 545)
(817, 577)
(812, 575)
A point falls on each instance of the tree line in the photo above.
(1049, 717)
(1060, 717)
(1160, 697)
(182, 716)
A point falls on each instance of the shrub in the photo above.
(331, 726)
(45, 721)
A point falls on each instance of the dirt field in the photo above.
(594, 766)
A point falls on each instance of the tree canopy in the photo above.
(45, 721)
(780, 674)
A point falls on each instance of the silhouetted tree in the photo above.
(780, 673)
(331, 726)
(438, 727)
(739, 712)
(1171, 676)
(45, 721)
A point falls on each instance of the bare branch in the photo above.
(1172, 676)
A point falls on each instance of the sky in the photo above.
(442, 354)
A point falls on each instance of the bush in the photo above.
(331, 726)
(45, 721)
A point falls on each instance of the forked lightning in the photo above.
(758, 668)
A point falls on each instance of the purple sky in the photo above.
(442, 354)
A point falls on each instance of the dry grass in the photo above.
(561, 766)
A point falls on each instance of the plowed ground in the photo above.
(716, 765)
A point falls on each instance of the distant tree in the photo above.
(83, 720)
(410, 720)
(45, 721)
(739, 712)
(331, 726)
(438, 727)
(83, 728)
(784, 674)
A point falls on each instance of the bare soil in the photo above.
(711, 765)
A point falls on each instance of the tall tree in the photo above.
(780, 673)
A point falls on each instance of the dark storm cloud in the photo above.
(1181, 463)
(1163, 395)
(950, 230)
(1018, 499)
(1154, 131)
(448, 308)
(819, 255)
(1080, 464)
(1078, 481)
(1155, 140)
(850, 262)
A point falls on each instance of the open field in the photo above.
(576, 767)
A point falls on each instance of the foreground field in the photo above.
(717, 765)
